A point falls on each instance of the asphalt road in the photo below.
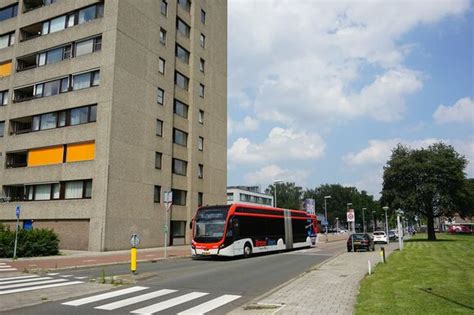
(205, 279)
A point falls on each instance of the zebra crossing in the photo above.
(16, 284)
(6, 268)
(165, 299)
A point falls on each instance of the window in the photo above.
(7, 40)
(3, 98)
(159, 128)
(201, 90)
(164, 7)
(73, 190)
(180, 109)
(180, 167)
(163, 36)
(185, 4)
(183, 28)
(51, 88)
(160, 96)
(200, 143)
(79, 116)
(200, 171)
(88, 46)
(161, 65)
(158, 157)
(8, 12)
(201, 116)
(2, 128)
(179, 197)
(203, 16)
(180, 137)
(202, 40)
(181, 81)
(202, 63)
(90, 13)
(157, 194)
(85, 80)
(29, 5)
(182, 54)
(200, 199)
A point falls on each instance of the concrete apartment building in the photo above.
(104, 106)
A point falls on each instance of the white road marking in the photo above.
(18, 285)
(24, 280)
(134, 300)
(66, 276)
(104, 296)
(15, 278)
(89, 260)
(53, 273)
(210, 305)
(5, 266)
(169, 303)
(8, 269)
(80, 277)
(1, 264)
(39, 287)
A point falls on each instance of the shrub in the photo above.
(34, 242)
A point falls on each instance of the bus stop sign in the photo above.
(17, 211)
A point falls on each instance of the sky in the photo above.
(322, 91)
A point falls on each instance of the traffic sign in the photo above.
(350, 215)
(134, 240)
(17, 211)
(168, 198)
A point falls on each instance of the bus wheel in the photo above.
(247, 250)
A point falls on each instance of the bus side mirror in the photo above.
(191, 224)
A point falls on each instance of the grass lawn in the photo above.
(425, 278)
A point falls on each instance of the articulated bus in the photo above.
(240, 229)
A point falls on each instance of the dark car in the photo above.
(361, 241)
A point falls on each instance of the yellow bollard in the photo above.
(133, 259)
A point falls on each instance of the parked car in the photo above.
(392, 235)
(380, 237)
(460, 229)
(361, 241)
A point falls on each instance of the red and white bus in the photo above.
(241, 229)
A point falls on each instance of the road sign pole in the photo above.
(17, 212)
(166, 229)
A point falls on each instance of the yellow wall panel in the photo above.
(5, 69)
(80, 152)
(45, 156)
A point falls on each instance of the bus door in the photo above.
(288, 230)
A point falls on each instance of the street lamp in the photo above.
(326, 214)
(348, 205)
(386, 221)
(275, 182)
(363, 220)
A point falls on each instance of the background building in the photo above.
(105, 105)
(248, 195)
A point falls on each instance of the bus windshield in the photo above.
(210, 223)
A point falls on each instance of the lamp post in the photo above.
(373, 221)
(275, 182)
(363, 220)
(326, 214)
(337, 225)
(348, 205)
(386, 221)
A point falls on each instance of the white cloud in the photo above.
(379, 151)
(462, 111)
(334, 60)
(280, 145)
(267, 174)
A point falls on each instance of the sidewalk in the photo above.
(330, 288)
(75, 259)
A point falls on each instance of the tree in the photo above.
(337, 204)
(288, 195)
(428, 182)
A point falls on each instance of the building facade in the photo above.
(248, 195)
(106, 105)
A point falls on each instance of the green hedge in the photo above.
(35, 242)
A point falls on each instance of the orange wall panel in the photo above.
(5, 69)
(80, 152)
(45, 156)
